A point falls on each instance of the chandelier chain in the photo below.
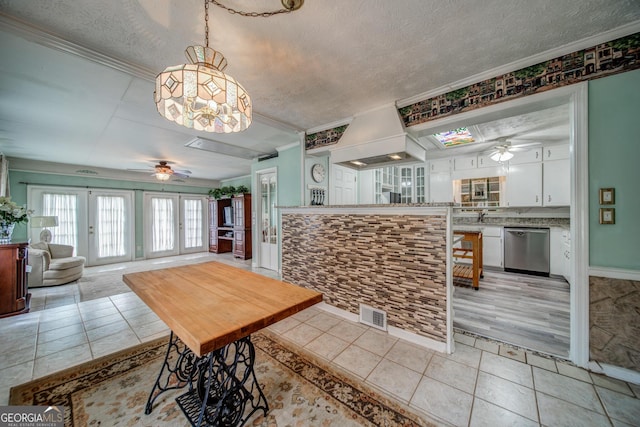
(251, 14)
(206, 22)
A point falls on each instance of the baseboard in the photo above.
(617, 372)
(419, 340)
(614, 273)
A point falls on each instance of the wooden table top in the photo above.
(210, 305)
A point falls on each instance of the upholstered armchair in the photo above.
(53, 264)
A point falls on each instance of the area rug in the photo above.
(301, 391)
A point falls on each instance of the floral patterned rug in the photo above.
(301, 391)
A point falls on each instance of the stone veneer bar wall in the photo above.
(396, 263)
(614, 321)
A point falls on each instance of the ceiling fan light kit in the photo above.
(501, 156)
(200, 95)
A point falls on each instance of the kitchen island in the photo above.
(392, 259)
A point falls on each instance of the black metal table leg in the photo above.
(225, 385)
(183, 370)
(225, 382)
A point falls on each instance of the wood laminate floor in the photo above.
(527, 311)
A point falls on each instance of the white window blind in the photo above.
(162, 231)
(192, 223)
(65, 207)
(110, 226)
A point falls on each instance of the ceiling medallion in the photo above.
(200, 95)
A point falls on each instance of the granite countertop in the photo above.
(385, 205)
(460, 222)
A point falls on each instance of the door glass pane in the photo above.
(65, 207)
(273, 218)
(192, 223)
(420, 188)
(162, 232)
(264, 208)
(111, 226)
(406, 184)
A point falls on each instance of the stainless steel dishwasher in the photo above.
(526, 250)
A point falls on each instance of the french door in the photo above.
(98, 224)
(110, 226)
(268, 220)
(174, 224)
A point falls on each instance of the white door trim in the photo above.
(576, 96)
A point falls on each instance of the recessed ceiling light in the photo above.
(358, 163)
(395, 156)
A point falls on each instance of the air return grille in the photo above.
(373, 317)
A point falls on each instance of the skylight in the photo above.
(455, 137)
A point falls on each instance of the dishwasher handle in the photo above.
(522, 231)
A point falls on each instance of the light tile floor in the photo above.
(483, 383)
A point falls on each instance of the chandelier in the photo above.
(200, 95)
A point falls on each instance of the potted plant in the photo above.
(216, 193)
(241, 189)
(10, 215)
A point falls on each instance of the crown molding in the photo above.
(585, 43)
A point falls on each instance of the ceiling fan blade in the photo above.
(180, 175)
(182, 171)
(141, 170)
(530, 144)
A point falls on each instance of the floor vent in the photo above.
(373, 317)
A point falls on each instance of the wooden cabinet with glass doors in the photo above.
(242, 247)
(230, 226)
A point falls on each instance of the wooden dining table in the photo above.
(212, 309)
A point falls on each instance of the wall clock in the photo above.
(317, 172)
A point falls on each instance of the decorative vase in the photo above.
(6, 230)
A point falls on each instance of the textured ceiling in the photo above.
(324, 63)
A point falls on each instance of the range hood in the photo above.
(376, 139)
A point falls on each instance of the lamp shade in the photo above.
(43, 221)
(200, 96)
(502, 156)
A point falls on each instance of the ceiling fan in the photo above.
(504, 150)
(163, 172)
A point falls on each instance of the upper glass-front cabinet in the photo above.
(409, 181)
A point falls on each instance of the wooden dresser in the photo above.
(14, 298)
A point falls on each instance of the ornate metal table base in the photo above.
(221, 383)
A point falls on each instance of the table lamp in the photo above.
(44, 222)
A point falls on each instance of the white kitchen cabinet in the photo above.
(484, 161)
(556, 183)
(524, 185)
(556, 252)
(566, 241)
(440, 187)
(532, 155)
(464, 163)
(492, 252)
(440, 165)
(555, 152)
(560, 252)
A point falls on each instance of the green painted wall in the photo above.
(614, 161)
(289, 185)
(19, 194)
(236, 182)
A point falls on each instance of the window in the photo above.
(111, 226)
(65, 207)
(162, 231)
(192, 223)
